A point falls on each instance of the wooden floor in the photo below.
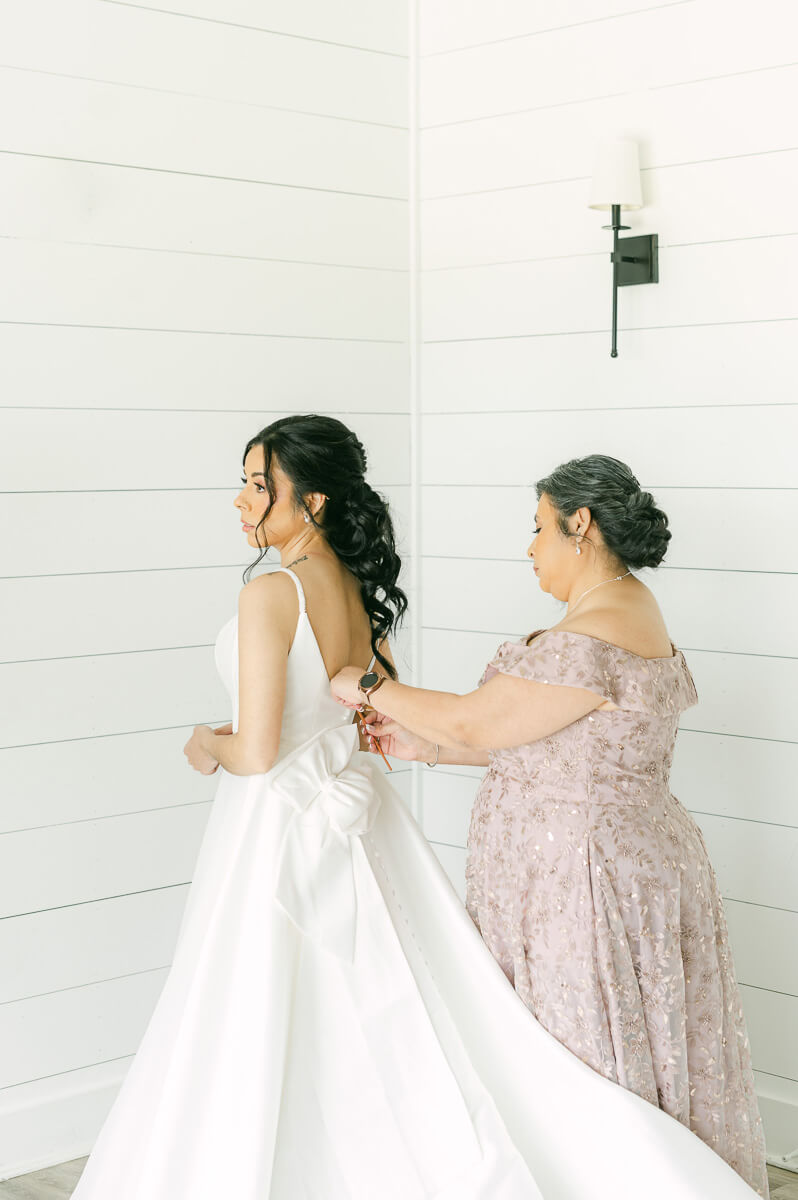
(58, 1183)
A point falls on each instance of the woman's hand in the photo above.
(344, 687)
(397, 741)
(197, 755)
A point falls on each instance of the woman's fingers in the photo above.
(382, 727)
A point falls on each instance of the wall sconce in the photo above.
(616, 185)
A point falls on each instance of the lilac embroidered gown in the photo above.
(591, 885)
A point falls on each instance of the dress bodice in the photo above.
(618, 756)
(309, 706)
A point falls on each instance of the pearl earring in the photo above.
(578, 548)
(307, 518)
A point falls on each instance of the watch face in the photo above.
(369, 679)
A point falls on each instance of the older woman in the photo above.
(590, 882)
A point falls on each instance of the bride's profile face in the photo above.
(253, 501)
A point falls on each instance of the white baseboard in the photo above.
(778, 1103)
(54, 1120)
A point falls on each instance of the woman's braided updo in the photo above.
(320, 454)
(634, 529)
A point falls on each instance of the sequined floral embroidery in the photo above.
(591, 885)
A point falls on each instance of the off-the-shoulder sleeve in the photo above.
(566, 659)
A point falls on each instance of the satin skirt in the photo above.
(334, 1028)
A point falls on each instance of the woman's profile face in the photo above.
(253, 500)
(551, 551)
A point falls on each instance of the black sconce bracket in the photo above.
(634, 260)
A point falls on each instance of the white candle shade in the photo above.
(616, 176)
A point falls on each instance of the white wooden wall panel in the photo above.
(748, 778)
(114, 449)
(156, 775)
(754, 862)
(589, 61)
(448, 800)
(764, 941)
(516, 377)
(572, 295)
(773, 1029)
(61, 200)
(166, 52)
(496, 521)
(684, 204)
(163, 530)
(778, 1099)
(380, 26)
(89, 860)
(90, 942)
(445, 28)
(741, 114)
(112, 613)
(71, 367)
(203, 227)
(118, 693)
(149, 289)
(99, 122)
(757, 446)
(62, 1031)
(699, 366)
(709, 610)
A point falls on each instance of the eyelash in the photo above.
(259, 486)
(536, 531)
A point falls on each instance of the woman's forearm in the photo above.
(431, 715)
(461, 756)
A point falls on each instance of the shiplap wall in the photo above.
(203, 226)
(516, 377)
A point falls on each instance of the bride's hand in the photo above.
(344, 687)
(397, 741)
(198, 757)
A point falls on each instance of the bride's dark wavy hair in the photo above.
(320, 454)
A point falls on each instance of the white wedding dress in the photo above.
(334, 1028)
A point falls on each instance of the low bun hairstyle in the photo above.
(320, 454)
(634, 529)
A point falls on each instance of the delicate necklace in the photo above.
(614, 579)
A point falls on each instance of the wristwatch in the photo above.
(369, 683)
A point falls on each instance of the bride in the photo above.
(332, 1026)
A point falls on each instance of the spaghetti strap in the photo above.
(302, 604)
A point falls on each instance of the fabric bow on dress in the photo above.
(335, 801)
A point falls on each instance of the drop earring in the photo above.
(307, 518)
(578, 547)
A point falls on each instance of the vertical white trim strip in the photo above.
(414, 381)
